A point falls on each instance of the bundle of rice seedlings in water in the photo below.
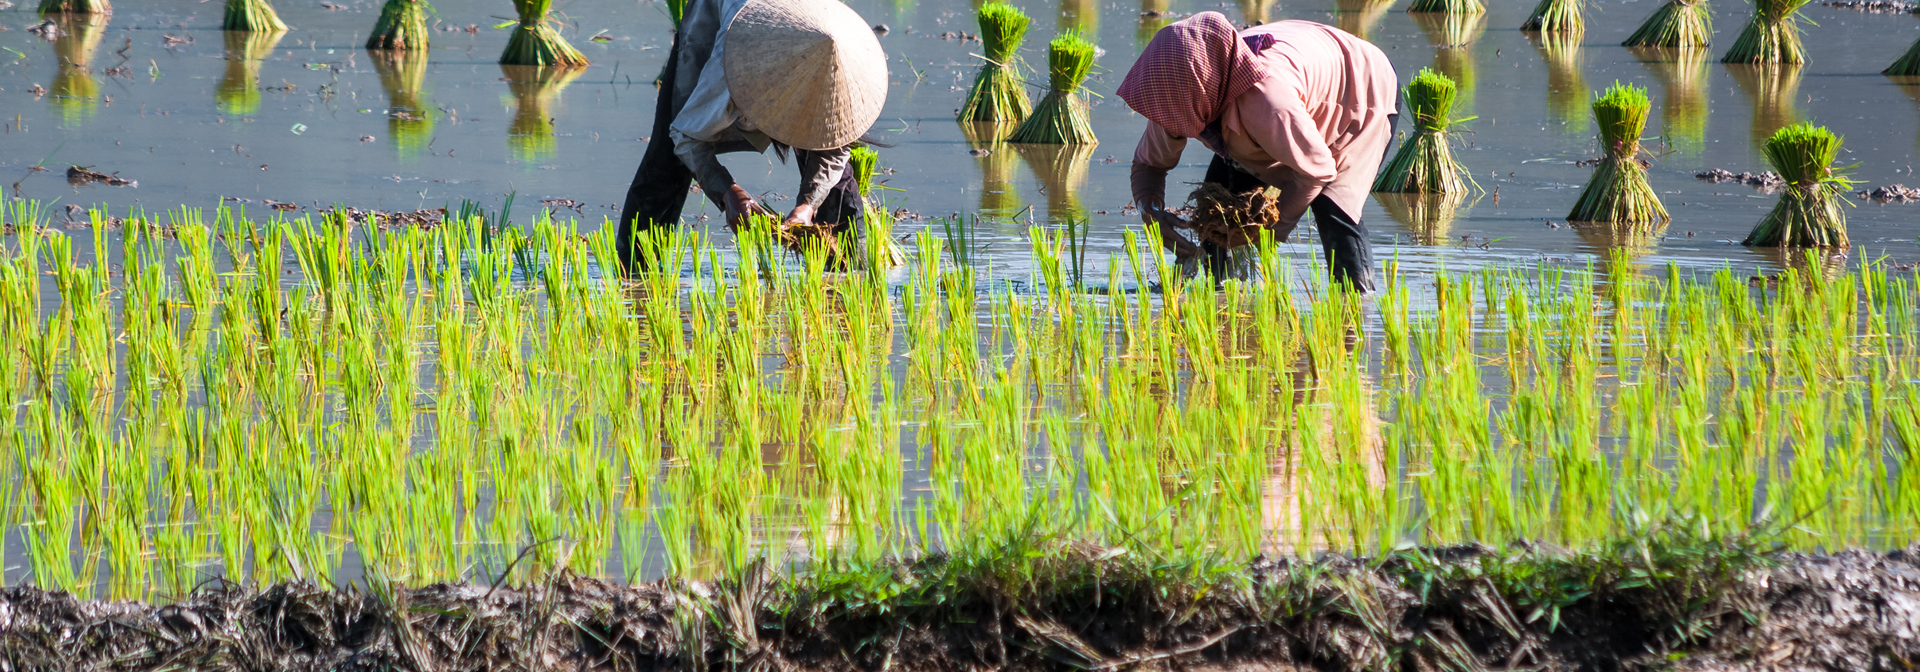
(76, 7)
(534, 88)
(1428, 217)
(1908, 65)
(1682, 24)
(999, 93)
(402, 25)
(677, 11)
(1556, 16)
(238, 93)
(75, 93)
(1773, 91)
(252, 16)
(1061, 117)
(1446, 7)
(410, 116)
(1810, 212)
(996, 159)
(1618, 191)
(1567, 93)
(533, 42)
(1773, 36)
(1425, 162)
(1684, 96)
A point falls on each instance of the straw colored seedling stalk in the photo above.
(999, 92)
(1618, 191)
(1772, 36)
(402, 26)
(1811, 209)
(1556, 16)
(76, 7)
(1061, 118)
(1425, 164)
(1463, 7)
(253, 16)
(1679, 24)
(535, 42)
(1908, 64)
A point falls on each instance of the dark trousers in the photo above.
(660, 187)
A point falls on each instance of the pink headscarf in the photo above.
(1189, 72)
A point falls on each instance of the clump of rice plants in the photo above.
(402, 25)
(410, 117)
(534, 88)
(999, 92)
(1618, 191)
(1810, 211)
(1908, 65)
(75, 93)
(1679, 24)
(1772, 36)
(239, 90)
(1061, 118)
(1556, 16)
(862, 160)
(1446, 7)
(252, 16)
(1425, 163)
(76, 7)
(535, 42)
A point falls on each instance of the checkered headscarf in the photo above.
(1189, 72)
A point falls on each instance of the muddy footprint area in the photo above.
(1461, 608)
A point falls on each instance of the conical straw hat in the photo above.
(808, 73)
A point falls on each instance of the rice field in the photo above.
(264, 399)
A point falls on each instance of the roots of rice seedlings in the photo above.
(999, 92)
(1908, 65)
(1446, 7)
(1682, 24)
(76, 7)
(1556, 16)
(239, 90)
(1425, 163)
(1618, 191)
(1061, 117)
(1230, 220)
(252, 16)
(402, 25)
(535, 42)
(1772, 36)
(1811, 209)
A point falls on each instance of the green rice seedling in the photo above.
(1425, 164)
(1678, 24)
(534, 41)
(1061, 118)
(1771, 36)
(103, 7)
(1453, 36)
(238, 93)
(75, 93)
(530, 134)
(1618, 190)
(999, 93)
(410, 115)
(402, 26)
(1462, 7)
(252, 16)
(1908, 65)
(677, 12)
(1556, 16)
(1809, 212)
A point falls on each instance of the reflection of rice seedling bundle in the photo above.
(252, 16)
(1446, 7)
(1255, 12)
(402, 25)
(1618, 191)
(997, 196)
(1453, 36)
(999, 93)
(677, 11)
(1566, 84)
(1359, 17)
(1810, 212)
(75, 91)
(1078, 16)
(1772, 90)
(1425, 162)
(1685, 24)
(534, 88)
(1908, 64)
(76, 7)
(1772, 36)
(239, 90)
(1604, 238)
(534, 42)
(1062, 173)
(1061, 117)
(1153, 17)
(1683, 101)
(409, 116)
(1428, 217)
(1556, 16)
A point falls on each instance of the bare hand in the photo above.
(740, 206)
(1181, 248)
(802, 215)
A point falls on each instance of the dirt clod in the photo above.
(1892, 193)
(79, 175)
(1766, 182)
(1874, 6)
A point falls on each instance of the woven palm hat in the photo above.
(808, 73)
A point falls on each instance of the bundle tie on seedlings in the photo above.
(252, 16)
(999, 92)
(1681, 24)
(1425, 164)
(1908, 65)
(1772, 36)
(534, 42)
(1619, 191)
(402, 25)
(1809, 212)
(1061, 118)
(1556, 16)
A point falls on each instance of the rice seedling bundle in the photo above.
(1061, 118)
(1811, 211)
(76, 7)
(1463, 7)
(1771, 36)
(1425, 163)
(1678, 24)
(252, 16)
(862, 160)
(1556, 16)
(1618, 190)
(402, 26)
(1908, 65)
(535, 42)
(999, 92)
(239, 90)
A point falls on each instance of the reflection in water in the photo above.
(75, 92)
(534, 87)
(997, 196)
(1566, 85)
(1453, 35)
(1428, 218)
(1684, 95)
(1632, 239)
(1153, 16)
(410, 115)
(1360, 17)
(239, 91)
(1255, 12)
(1081, 15)
(1062, 173)
(1772, 89)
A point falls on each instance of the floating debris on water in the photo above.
(1874, 6)
(1892, 193)
(1766, 181)
(79, 175)
(47, 30)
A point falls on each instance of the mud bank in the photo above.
(1442, 609)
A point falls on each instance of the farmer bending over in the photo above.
(800, 76)
(1299, 106)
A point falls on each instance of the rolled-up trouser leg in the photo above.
(1344, 241)
(659, 189)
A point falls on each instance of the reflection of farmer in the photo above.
(805, 76)
(1295, 105)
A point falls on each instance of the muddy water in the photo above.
(159, 95)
